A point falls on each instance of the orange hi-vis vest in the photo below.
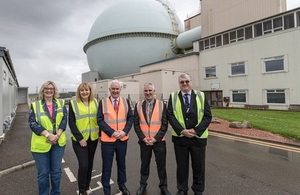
(116, 120)
(151, 129)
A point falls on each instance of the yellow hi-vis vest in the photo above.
(116, 120)
(39, 143)
(86, 119)
(151, 129)
(177, 110)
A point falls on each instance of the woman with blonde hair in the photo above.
(85, 133)
(48, 121)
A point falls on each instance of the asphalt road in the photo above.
(233, 166)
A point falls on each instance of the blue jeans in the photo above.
(49, 166)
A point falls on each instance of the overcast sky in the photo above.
(45, 38)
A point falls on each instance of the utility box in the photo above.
(226, 99)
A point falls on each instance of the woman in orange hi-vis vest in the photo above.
(115, 120)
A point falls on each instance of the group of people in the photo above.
(109, 122)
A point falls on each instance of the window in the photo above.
(274, 64)
(4, 75)
(237, 68)
(201, 45)
(248, 32)
(210, 72)
(277, 24)
(232, 36)
(276, 96)
(240, 34)
(225, 39)
(257, 30)
(239, 96)
(267, 27)
(212, 42)
(289, 21)
(206, 44)
(219, 40)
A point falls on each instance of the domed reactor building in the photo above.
(132, 33)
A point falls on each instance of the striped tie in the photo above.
(186, 101)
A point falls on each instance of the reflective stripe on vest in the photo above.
(116, 120)
(150, 130)
(86, 119)
(177, 110)
(38, 142)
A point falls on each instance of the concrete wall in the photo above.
(188, 64)
(23, 97)
(129, 89)
(192, 22)
(165, 82)
(90, 76)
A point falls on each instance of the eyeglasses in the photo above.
(49, 89)
(187, 82)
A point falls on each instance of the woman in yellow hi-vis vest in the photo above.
(85, 133)
(48, 121)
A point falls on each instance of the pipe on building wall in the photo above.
(185, 40)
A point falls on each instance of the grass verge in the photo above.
(285, 123)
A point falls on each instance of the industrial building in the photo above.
(10, 92)
(240, 53)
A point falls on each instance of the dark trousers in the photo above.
(85, 157)
(108, 150)
(182, 154)
(160, 152)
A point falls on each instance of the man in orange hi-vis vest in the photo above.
(151, 124)
(115, 120)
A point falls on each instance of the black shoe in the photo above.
(165, 191)
(124, 190)
(141, 190)
(181, 192)
(197, 193)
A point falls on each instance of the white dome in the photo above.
(129, 34)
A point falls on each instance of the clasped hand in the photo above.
(119, 134)
(149, 141)
(53, 139)
(189, 133)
